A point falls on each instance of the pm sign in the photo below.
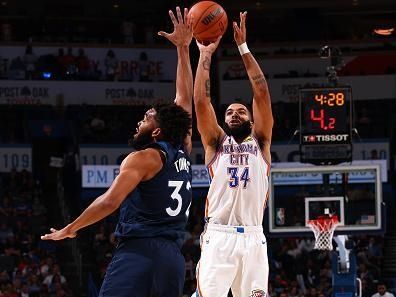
(99, 176)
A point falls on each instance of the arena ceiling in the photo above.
(361, 15)
(154, 6)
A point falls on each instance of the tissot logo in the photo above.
(326, 138)
(257, 293)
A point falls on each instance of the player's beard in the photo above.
(141, 140)
(243, 131)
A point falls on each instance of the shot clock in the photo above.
(325, 125)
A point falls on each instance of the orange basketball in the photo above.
(210, 21)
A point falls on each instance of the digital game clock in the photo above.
(325, 125)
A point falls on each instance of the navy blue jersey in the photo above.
(159, 207)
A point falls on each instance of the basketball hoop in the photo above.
(323, 228)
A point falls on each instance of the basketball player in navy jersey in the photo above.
(153, 192)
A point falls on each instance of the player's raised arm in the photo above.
(262, 111)
(137, 167)
(208, 127)
(181, 37)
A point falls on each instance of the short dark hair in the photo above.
(175, 122)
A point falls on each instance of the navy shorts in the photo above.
(145, 267)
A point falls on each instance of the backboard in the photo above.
(302, 193)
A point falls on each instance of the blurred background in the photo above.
(77, 76)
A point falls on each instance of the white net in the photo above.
(323, 229)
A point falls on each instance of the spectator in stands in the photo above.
(115, 128)
(9, 291)
(17, 69)
(44, 292)
(279, 284)
(61, 64)
(382, 292)
(144, 67)
(54, 275)
(235, 71)
(102, 245)
(294, 291)
(12, 247)
(13, 182)
(374, 155)
(271, 290)
(5, 232)
(7, 206)
(366, 289)
(45, 265)
(364, 273)
(189, 247)
(189, 288)
(4, 278)
(101, 236)
(312, 292)
(55, 284)
(70, 63)
(111, 65)
(34, 284)
(17, 284)
(3, 68)
(2, 212)
(195, 234)
(97, 126)
(374, 250)
(30, 59)
(26, 183)
(128, 29)
(6, 31)
(38, 209)
(190, 267)
(83, 66)
(25, 290)
(21, 256)
(47, 67)
(81, 32)
(311, 273)
(23, 207)
(364, 122)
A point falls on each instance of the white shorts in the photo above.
(233, 257)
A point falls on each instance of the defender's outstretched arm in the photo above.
(181, 37)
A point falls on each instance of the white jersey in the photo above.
(239, 184)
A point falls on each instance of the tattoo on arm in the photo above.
(207, 87)
(206, 63)
(259, 79)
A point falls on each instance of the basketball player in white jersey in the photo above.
(233, 245)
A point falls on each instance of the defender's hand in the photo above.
(182, 28)
(59, 234)
(240, 32)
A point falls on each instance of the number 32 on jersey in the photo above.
(177, 185)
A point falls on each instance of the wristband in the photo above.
(243, 49)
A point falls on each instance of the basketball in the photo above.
(210, 21)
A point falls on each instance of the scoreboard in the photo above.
(325, 125)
